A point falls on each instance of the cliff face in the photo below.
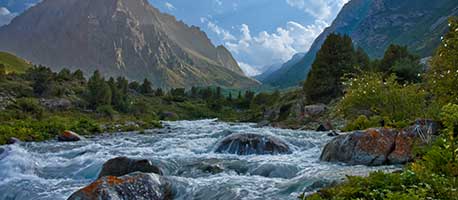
(120, 38)
(375, 24)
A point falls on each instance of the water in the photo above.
(53, 170)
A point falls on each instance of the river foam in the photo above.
(53, 170)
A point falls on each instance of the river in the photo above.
(54, 170)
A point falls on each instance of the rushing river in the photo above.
(53, 170)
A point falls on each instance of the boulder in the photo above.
(370, 147)
(56, 104)
(69, 136)
(12, 140)
(131, 186)
(121, 166)
(247, 144)
(315, 110)
(325, 127)
(168, 115)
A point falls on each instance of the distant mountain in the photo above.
(374, 24)
(120, 38)
(272, 77)
(268, 71)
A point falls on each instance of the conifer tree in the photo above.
(335, 58)
(99, 92)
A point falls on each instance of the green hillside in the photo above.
(13, 63)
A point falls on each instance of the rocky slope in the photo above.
(120, 38)
(374, 24)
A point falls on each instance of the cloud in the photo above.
(319, 9)
(5, 16)
(248, 69)
(224, 34)
(169, 6)
(266, 48)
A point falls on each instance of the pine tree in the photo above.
(99, 92)
(146, 87)
(335, 58)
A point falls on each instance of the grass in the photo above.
(13, 64)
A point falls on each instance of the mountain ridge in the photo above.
(373, 25)
(121, 38)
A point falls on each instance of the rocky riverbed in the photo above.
(195, 158)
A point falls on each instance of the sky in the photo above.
(259, 33)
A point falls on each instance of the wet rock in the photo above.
(2, 150)
(12, 140)
(325, 127)
(275, 170)
(333, 134)
(121, 166)
(370, 147)
(247, 144)
(131, 186)
(262, 123)
(69, 136)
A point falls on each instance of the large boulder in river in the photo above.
(69, 136)
(247, 144)
(370, 147)
(132, 186)
(379, 146)
(121, 166)
(12, 140)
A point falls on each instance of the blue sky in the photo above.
(257, 32)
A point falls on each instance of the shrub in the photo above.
(371, 95)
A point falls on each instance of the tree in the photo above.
(159, 92)
(398, 60)
(443, 75)
(98, 91)
(218, 93)
(64, 75)
(335, 58)
(229, 97)
(146, 87)
(362, 59)
(42, 78)
(78, 75)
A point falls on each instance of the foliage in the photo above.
(371, 95)
(443, 75)
(335, 58)
(98, 91)
(431, 177)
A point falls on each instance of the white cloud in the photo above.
(248, 69)
(320, 9)
(224, 34)
(169, 6)
(267, 48)
(5, 16)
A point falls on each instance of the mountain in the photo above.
(375, 24)
(127, 38)
(267, 71)
(271, 78)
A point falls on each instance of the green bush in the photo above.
(372, 95)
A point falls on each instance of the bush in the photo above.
(371, 95)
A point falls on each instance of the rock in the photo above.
(2, 150)
(325, 127)
(402, 152)
(262, 123)
(315, 110)
(56, 104)
(168, 116)
(12, 140)
(370, 147)
(131, 186)
(69, 136)
(247, 144)
(333, 134)
(121, 166)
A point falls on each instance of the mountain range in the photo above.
(375, 24)
(127, 38)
